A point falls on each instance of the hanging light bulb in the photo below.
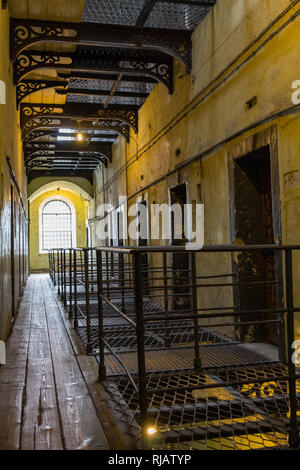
(79, 136)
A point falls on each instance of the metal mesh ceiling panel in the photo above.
(123, 12)
(163, 15)
(176, 16)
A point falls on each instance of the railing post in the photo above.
(54, 268)
(107, 277)
(87, 302)
(58, 271)
(71, 285)
(102, 369)
(166, 300)
(65, 278)
(75, 290)
(197, 359)
(294, 441)
(140, 333)
(121, 267)
(50, 264)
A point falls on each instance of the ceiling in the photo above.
(89, 66)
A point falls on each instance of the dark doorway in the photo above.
(180, 261)
(254, 226)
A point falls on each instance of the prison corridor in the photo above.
(45, 403)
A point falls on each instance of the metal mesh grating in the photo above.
(164, 14)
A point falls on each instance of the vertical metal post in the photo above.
(75, 291)
(71, 285)
(102, 369)
(58, 271)
(92, 271)
(87, 302)
(122, 274)
(50, 264)
(197, 359)
(166, 299)
(64, 278)
(294, 440)
(107, 277)
(54, 268)
(140, 333)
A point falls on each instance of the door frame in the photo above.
(265, 138)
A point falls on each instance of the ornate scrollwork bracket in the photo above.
(126, 114)
(157, 66)
(35, 127)
(27, 87)
(175, 43)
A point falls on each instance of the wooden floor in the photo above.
(44, 399)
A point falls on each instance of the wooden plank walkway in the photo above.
(44, 399)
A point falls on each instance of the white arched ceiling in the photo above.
(61, 185)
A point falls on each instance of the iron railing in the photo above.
(182, 339)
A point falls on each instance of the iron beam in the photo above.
(175, 43)
(156, 66)
(42, 123)
(79, 112)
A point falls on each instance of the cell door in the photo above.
(254, 225)
(180, 261)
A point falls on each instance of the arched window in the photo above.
(57, 224)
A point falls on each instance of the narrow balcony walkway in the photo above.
(44, 400)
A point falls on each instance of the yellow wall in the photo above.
(237, 54)
(40, 261)
(10, 146)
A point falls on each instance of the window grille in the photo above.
(56, 225)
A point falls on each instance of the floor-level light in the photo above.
(151, 431)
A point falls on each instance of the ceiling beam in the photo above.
(54, 134)
(36, 173)
(145, 13)
(26, 32)
(193, 3)
(45, 123)
(67, 147)
(79, 112)
(156, 66)
(99, 92)
(104, 76)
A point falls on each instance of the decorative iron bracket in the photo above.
(67, 147)
(45, 156)
(87, 174)
(38, 134)
(124, 113)
(175, 43)
(156, 66)
(27, 87)
(42, 123)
